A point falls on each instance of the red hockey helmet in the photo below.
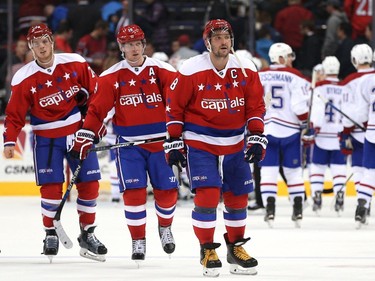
(216, 25)
(130, 33)
(38, 31)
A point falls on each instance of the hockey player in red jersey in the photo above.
(212, 103)
(136, 88)
(51, 88)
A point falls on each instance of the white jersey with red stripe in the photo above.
(324, 116)
(350, 98)
(138, 97)
(48, 94)
(365, 105)
(289, 93)
(212, 108)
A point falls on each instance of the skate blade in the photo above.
(211, 272)
(317, 212)
(270, 223)
(88, 255)
(63, 237)
(138, 263)
(239, 270)
(50, 258)
(297, 223)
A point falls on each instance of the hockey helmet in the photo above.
(331, 65)
(38, 31)
(361, 54)
(278, 50)
(216, 25)
(130, 33)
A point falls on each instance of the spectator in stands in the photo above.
(31, 12)
(55, 15)
(93, 46)
(310, 51)
(154, 22)
(149, 49)
(124, 16)
(263, 43)
(184, 51)
(113, 55)
(359, 15)
(288, 22)
(111, 13)
(336, 17)
(346, 43)
(62, 38)
(82, 18)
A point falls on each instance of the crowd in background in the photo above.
(314, 29)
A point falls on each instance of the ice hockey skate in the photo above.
(138, 250)
(339, 202)
(297, 211)
(210, 260)
(317, 202)
(270, 211)
(91, 247)
(361, 214)
(239, 260)
(166, 239)
(51, 244)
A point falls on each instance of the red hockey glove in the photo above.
(256, 148)
(175, 153)
(346, 146)
(82, 143)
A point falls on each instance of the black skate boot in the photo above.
(210, 260)
(297, 211)
(270, 211)
(138, 250)
(51, 244)
(239, 260)
(91, 247)
(166, 239)
(339, 203)
(317, 201)
(361, 213)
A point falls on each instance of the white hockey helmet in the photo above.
(278, 50)
(331, 65)
(160, 56)
(361, 54)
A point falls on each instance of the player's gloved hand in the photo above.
(256, 148)
(175, 153)
(81, 144)
(308, 136)
(81, 97)
(101, 134)
(346, 146)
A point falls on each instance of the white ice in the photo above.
(324, 248)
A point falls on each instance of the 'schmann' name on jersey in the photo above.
(58, 97)
(140, 98)
(275, 77)
(220, 104)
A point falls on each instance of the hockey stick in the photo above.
(330, 190)
(308, 121)
(126, 144)
(327, 102)
(64, 238)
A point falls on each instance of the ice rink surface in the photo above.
(324, 248)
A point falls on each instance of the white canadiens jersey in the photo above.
(366, 105)
(350, 98)
(325, 117)
(289, 99)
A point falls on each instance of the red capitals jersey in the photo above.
(48, 95)
(359, 13)
(138, 95)
(212, 108)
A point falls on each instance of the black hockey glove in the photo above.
(256, 148)
(175, 153)
(81, 98)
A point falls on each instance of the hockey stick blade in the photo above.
(63, 237)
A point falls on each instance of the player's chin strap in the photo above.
(239, 62)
